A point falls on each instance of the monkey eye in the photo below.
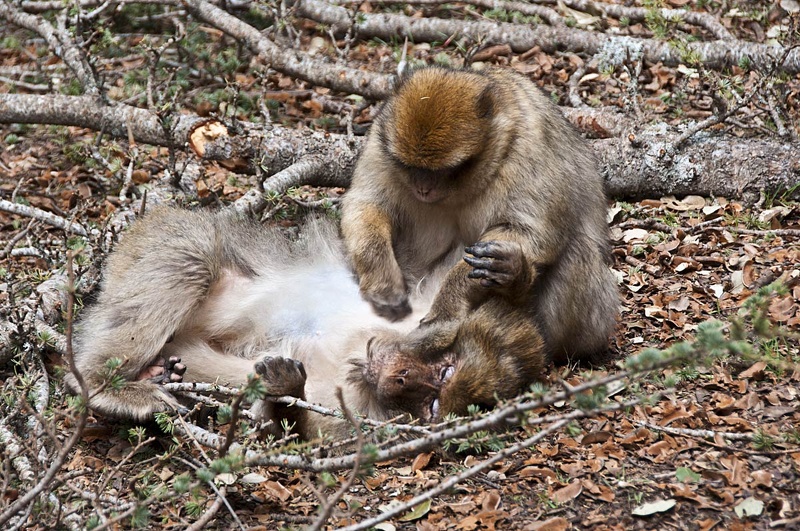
(446, 373)
(400, 379)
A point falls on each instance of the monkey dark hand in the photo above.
(498, 264)
(282, 376)
(391, 306)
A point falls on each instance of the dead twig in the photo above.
(46, 479)
(42, 215)
(330, 502)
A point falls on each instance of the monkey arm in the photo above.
(501, 263)
(367, 231)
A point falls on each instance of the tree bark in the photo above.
(635, 164)
(95, 113)
(708, 165)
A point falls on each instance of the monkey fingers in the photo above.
(282, 376)
(167, 371)
(174, 370)
(496, 263)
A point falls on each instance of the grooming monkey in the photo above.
(209, 297)
(483, 160)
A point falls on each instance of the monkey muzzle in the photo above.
(430, 186)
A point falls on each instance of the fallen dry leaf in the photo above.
(570, 492)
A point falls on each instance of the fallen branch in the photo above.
(707, 165)
(59, 40)
(330, 502)
(521, 38)
(553, 18)
(294, 63)
(214, 389)
(42, 215)
(642, 166)
(46, 479)
(639, 14)
(94, 113)
(705, 434)
(14, 451)
(209, 513)
(454, 480)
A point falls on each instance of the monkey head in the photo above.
(444, 368)
(435, 128)
(403, 380)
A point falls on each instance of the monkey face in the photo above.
(429, 186)
(406, 381)
(435, 185)
(433, 128)
(446, 366)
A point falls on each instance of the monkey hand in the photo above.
(389, 304)
(392, 308)
(499, 264)
(282, 376)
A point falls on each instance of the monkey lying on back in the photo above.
(229, 298)
(485, 160)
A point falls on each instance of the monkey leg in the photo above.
(137, 400)
(154, 281)
(203, 363)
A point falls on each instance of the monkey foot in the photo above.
(282, 376)
(171, 371)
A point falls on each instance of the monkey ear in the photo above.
(485, 104)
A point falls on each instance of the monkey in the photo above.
(478, 172)
(211, 297)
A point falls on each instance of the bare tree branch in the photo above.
(59, 41)
(42, 215)
(551, 39)
(291, 62)
(97, 114)
(634, 168)
(638, 14)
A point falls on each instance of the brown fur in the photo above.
(483, 159)
(493, 354)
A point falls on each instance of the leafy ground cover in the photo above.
(717, 447)
(679, 263)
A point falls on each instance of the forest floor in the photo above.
(679, 263)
